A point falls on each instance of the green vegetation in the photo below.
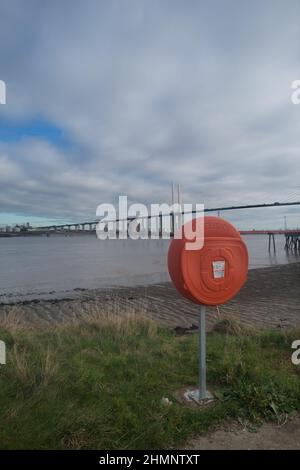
(98, 383)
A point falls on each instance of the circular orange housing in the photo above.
(213, 274)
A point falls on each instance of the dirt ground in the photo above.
(236, 437)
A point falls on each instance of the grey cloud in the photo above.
(149, 92)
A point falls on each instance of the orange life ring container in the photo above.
(215, 273)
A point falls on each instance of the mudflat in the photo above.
(269, 299)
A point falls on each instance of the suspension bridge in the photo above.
(292, 237)
(91, 225)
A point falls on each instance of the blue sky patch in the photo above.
(37, 128)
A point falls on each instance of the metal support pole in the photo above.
(201, 395)
(202, 354)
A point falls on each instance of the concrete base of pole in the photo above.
(193, 396)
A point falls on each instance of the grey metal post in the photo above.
(202, 353)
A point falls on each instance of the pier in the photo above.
(292, 237)
(292, 240)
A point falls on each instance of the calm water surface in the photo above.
(41, 267)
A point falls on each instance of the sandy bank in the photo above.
(270, 299)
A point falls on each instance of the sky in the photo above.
(109, 98)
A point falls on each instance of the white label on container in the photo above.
(218, 269)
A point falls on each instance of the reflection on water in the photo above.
(38, 266)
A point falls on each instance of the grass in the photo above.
(98, 383)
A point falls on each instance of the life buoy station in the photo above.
(210, 275)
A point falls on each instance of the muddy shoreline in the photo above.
(270, 299)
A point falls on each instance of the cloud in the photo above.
(146, 93)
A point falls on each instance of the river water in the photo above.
(56, 266)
